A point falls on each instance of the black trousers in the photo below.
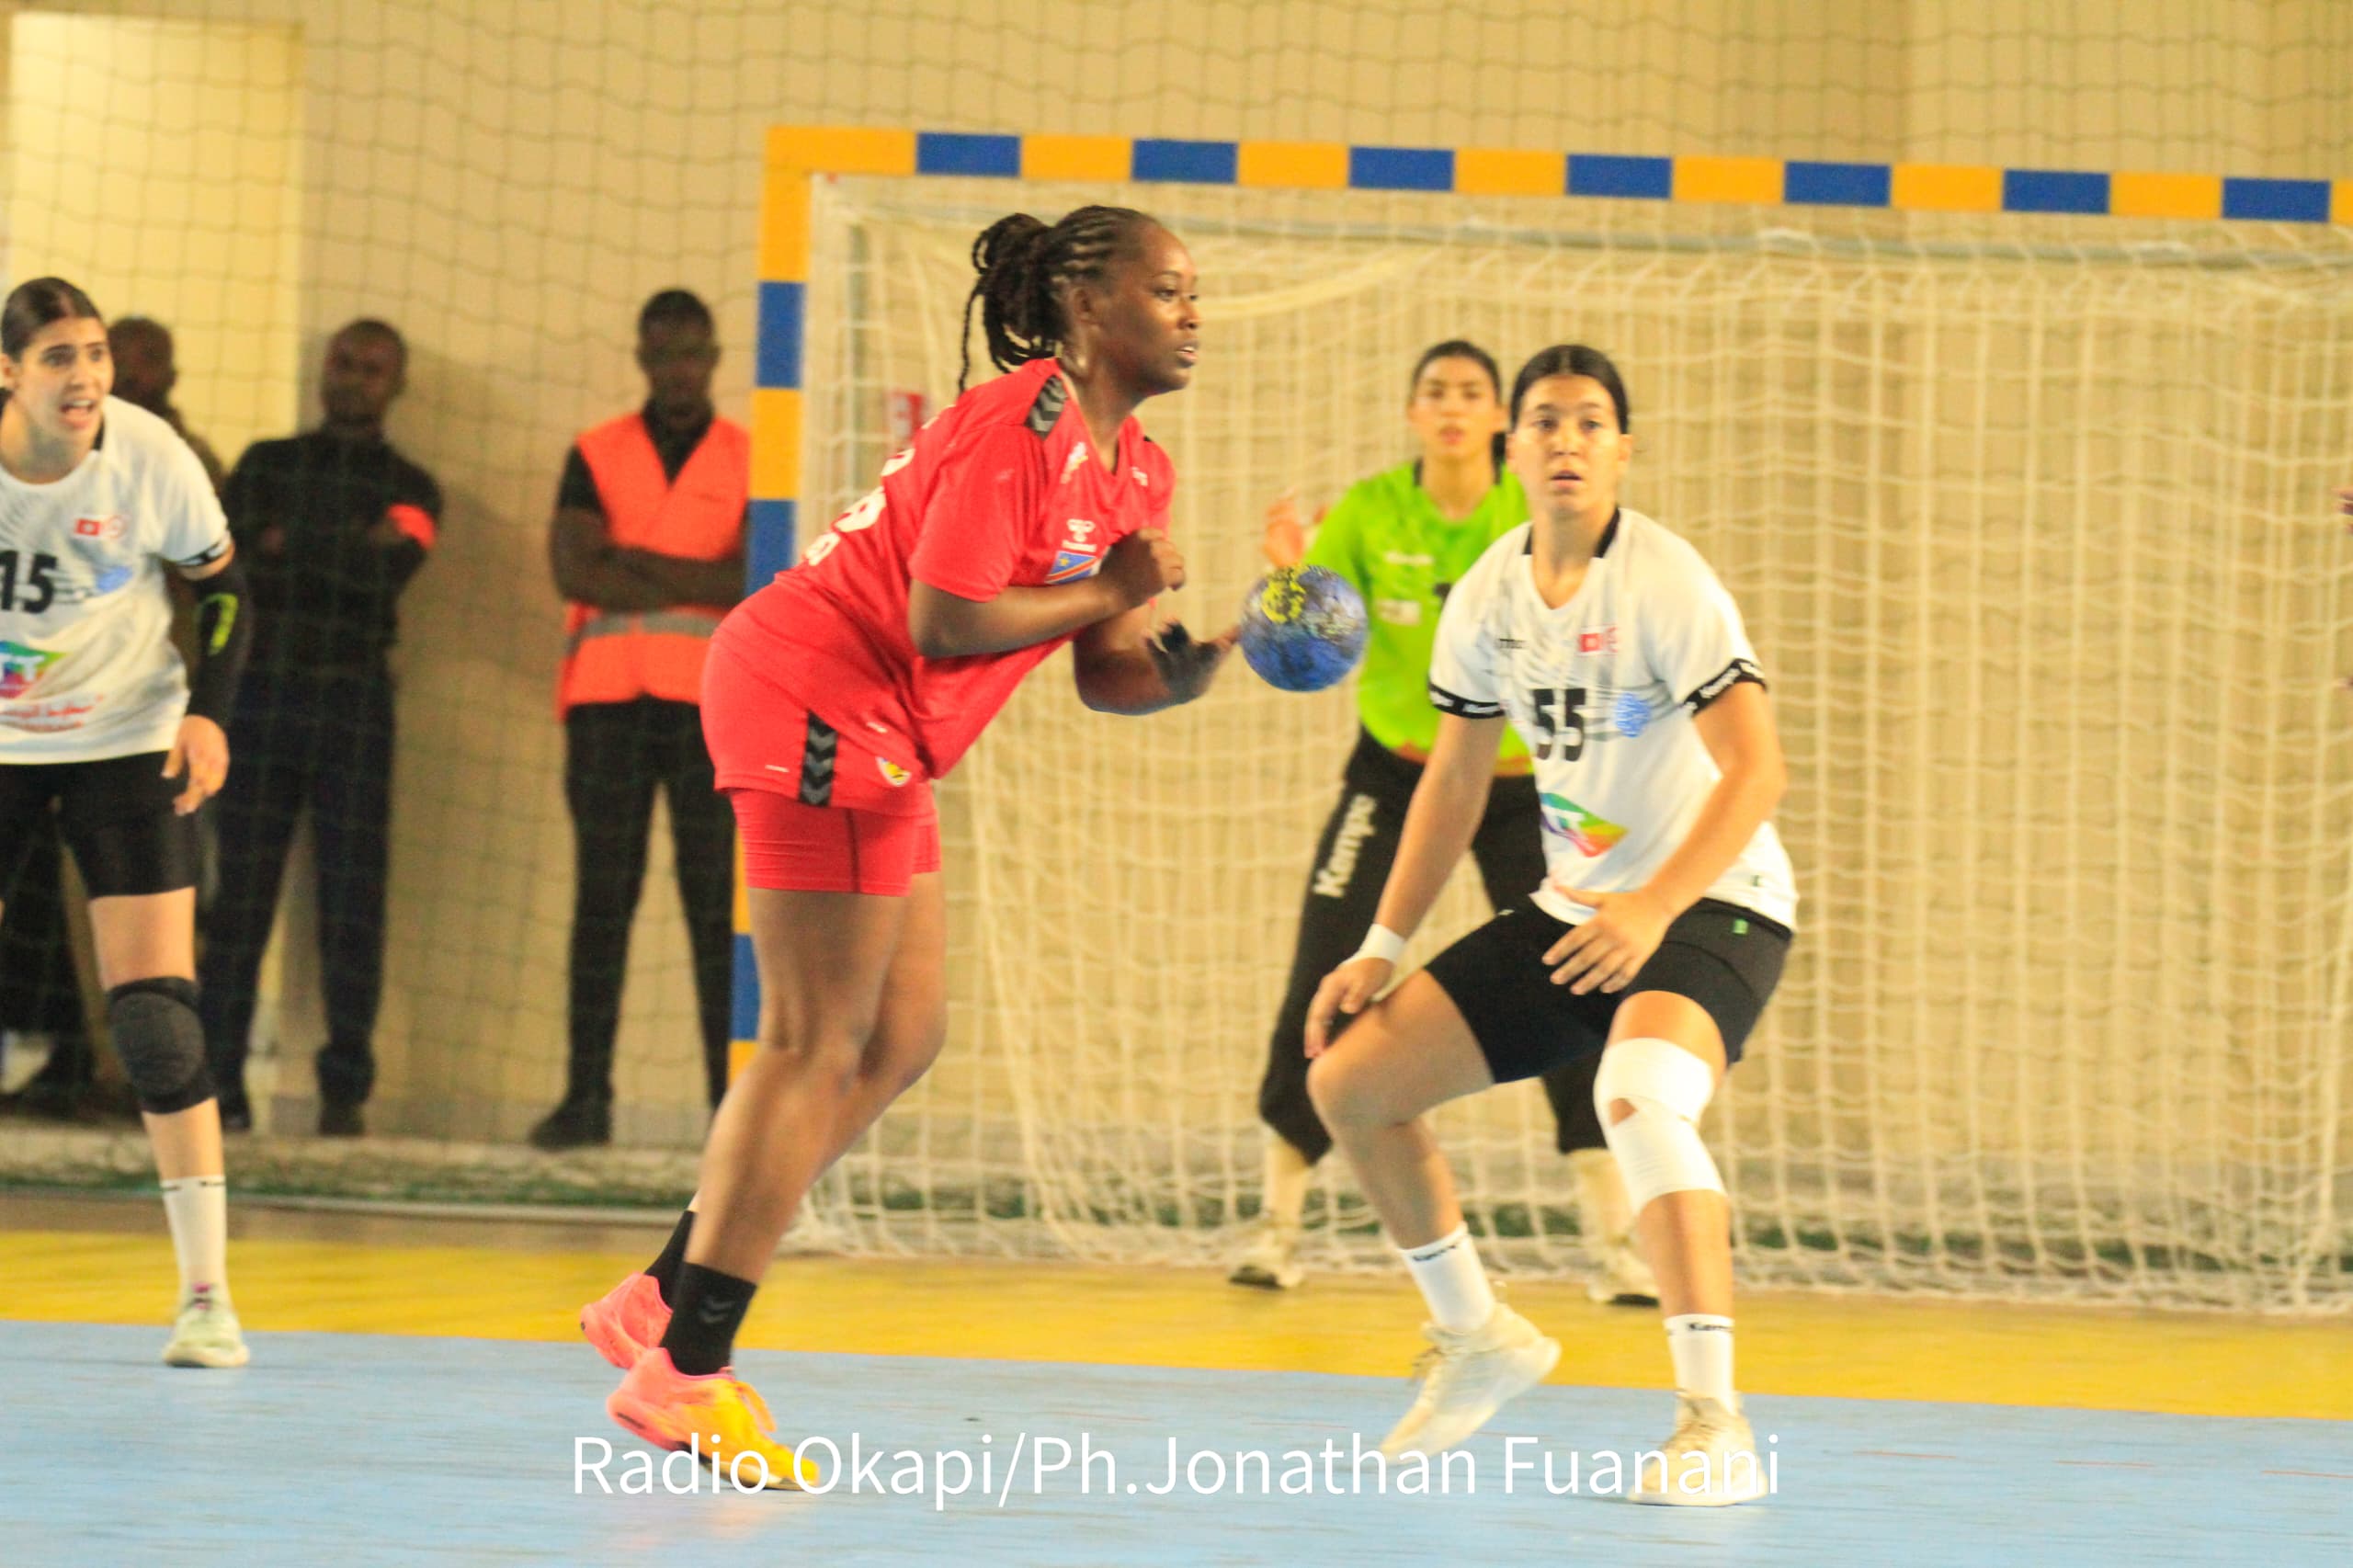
(320, 740)
(1352, 863)
(616, 755)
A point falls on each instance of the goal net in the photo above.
(2027, 516)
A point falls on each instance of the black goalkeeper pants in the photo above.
(1352, 862)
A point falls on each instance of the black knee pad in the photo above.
(161, 1043)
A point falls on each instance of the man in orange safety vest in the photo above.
(648, 547)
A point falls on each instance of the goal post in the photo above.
(2021, 478)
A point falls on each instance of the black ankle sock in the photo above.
(664, 1268)
(709, 1309)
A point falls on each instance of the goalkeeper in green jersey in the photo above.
(1403, 536)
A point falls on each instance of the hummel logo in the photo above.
(713, 1312)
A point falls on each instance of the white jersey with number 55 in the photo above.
(1604, 689)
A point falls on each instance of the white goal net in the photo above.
(2029, 522)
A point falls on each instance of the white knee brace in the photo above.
(1658, 1147)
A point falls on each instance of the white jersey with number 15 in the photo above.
(87, 669)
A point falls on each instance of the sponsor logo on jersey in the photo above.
(892, 774)
(22, 667)
(109, 528)
(1077, 556)
(1400, 612)
(1599, 640)
(1631, 714)
(1590, 835)
(1510, 644)
(53, 717)
(1405, 558)
(110, 579)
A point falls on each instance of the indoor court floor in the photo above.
(419, 1394)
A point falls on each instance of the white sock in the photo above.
(1452, 1282)
(1700, 1345)
(1288, 1173)
(198, 1208)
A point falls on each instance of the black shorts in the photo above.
(117, 819)
(1724, 957)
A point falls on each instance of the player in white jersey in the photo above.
(100, 723)
(1656, 938)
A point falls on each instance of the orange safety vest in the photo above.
(616, 656)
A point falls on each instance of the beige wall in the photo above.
(195, 220)
(506, 179)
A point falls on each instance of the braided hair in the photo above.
(1024, 264)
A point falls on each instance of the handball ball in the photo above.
(1302, 627)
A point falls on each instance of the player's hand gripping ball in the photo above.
(1302, 627)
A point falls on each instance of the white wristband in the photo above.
(1382, 943)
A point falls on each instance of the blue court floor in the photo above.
(351, 1449)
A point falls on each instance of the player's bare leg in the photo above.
(909, 1031)
(146, 952)
(1411, 1052)
(827, 961)
(1664, 1060)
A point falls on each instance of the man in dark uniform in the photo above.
(333, 524)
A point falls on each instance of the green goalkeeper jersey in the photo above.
(1387, 537)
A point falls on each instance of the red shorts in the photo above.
(816, 811)
(792, 847)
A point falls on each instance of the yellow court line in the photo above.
(1846, 1346)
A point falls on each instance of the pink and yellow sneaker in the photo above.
(719, 1417)
(627, 1321)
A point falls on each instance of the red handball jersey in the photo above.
(1002, 490)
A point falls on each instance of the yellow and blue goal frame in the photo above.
(799, 154)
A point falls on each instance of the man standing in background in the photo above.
(145, 373)
(333, 524)
(648, 547)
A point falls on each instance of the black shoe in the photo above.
(340, 1119)
(575, 1124)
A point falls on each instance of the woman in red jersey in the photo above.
(1032, 513)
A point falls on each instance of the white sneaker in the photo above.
(1466, 1377)
(1711, 1460)
(1625, 1281)
(206, 1334)
(1271, 1260)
